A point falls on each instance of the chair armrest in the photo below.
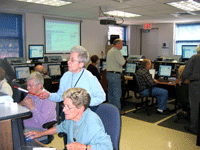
(49, 125)
(62, 134)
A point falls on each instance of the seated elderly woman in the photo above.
(43, 110)
(84, 128)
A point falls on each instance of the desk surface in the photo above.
(13, 111)
(165, 83)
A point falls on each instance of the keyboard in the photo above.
(163, 80)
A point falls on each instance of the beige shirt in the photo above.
(115, 60)
(5, 88)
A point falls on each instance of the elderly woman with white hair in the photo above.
(78, 76)
(192, 73)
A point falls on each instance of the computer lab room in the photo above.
(160, 40)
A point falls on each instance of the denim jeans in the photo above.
(161, 95)
(114, 89)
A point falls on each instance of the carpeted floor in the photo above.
(169, 123)
(141, 114)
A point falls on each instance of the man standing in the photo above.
(191, 76)
(146, 80)
(114, 63)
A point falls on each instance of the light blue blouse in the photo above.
(88, 130)
(86, 81)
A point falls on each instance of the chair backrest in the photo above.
(182, 94)
(136, 83)
(111, 119)
(47, 83)
(18, 95)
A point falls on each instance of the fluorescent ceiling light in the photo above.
(189, 5)
(47, 2)
(118, 13)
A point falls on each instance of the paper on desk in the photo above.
(152, 72)
(43, 148)
(5, 98)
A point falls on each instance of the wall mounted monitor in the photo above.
(103, 66)
(130, 67)
(54, 70)
(36, 52)
(124, 50)
(188, 51)
(165, 71)
(21, 72)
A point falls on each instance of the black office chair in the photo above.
(182, 97)
(18, 95)
(134, 85)
(47, 83)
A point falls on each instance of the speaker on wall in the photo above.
(113, 37)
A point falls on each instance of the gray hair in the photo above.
(79, 97)
(83, 54)
(198, 49)
(144, 63)
(38, 78)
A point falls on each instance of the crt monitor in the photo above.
(130, 67)
(124, 50)
(21, 72)
(165, 71)
(36, 52)
(188, 51)
(103, 66)
(54, 70)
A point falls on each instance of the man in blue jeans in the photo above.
(146, 80)
(114, 63)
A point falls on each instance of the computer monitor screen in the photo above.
(188, 51)
(103, 67)
(21, 72)
(54, 70)
(124, 50)
(165, 70)
(130, 67)
(36, 52)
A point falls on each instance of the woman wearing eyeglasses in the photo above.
(84, 128)
(78, 76)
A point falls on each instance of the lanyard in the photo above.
(77, 80)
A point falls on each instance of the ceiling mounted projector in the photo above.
(107, 20)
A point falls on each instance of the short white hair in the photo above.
(198, 49)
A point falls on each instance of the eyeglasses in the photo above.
(68, 108)
(72, 60)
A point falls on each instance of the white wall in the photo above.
(165, 34)
(93, 35)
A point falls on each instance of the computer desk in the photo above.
(160, 84)
(8, 116)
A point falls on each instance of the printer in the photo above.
(52, 58)
(15, 60)
(132, 58)
(174, 58)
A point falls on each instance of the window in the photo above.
(187, 34)
(11, 39)
(117, 30)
